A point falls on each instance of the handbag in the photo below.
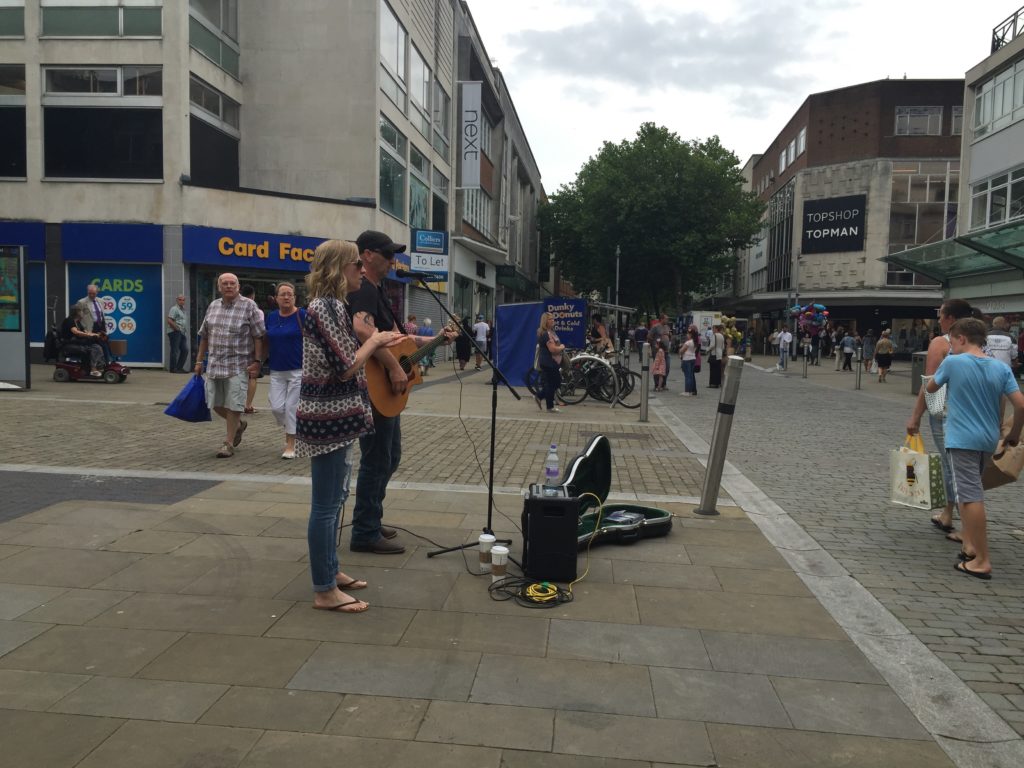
(1007, 463)
(190, 404)
(915, 476)
(696, 364)
(936, 401)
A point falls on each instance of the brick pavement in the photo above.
(819, 449)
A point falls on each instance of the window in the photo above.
(213, 32)
(918, 121)
(477, 211)
(486, 129)
(957, 127)
(419, 92)
(801, 141)
(12, 19)
(12, 121)
(213, 136)
(123, 20)
(393, 40)
(791, 152)
(213, 106)
(782, 161)
(998, 200)
(440, 202)
(419, 189)
(442, 120)
(999, 100)
(392, 169)
(924, 210)
(103, 122)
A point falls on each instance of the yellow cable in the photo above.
(597, 525)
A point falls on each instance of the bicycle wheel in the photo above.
(574, 385)
(534, 381)
(629, 394)
(601, 383)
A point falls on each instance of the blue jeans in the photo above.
(552, 381)
(179, 351)
(783, 354)
(382, 452)
(689, 378)
(330, 473)
(939, 436)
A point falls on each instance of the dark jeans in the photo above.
(330, 473)
(847, 361)
(179, 351)
(552, 381)
(382, 452)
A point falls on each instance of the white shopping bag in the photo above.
(915, 477)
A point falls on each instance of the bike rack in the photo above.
(615, 379)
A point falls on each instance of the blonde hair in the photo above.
(544, 321)
(326, 278)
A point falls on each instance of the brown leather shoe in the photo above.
(379, 547)
(388, 533)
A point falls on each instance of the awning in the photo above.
(990, 250)
(483, 250)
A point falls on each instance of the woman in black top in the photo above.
(549, 358)
(73, 331)
(462, 345)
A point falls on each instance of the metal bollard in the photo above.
(645, 383)
(720, 437)
(807, 355)
(857, 360)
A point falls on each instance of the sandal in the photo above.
(238, 433)
(940, 525)
(342, 607)
(352, 584)
(962, 568)
(250, 409)
(226, 452)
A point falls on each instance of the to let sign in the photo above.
(833, 225)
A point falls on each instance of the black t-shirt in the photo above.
(370, 299)
(65, 330)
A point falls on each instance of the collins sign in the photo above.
(833, 225)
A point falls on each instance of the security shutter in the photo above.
(423, 305)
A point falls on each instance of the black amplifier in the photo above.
(550, 531)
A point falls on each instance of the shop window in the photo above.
(12, 121)
(101, 20)
(213, 32)
(918, 121)
(103, 143)
(12, 21)
(213, 156)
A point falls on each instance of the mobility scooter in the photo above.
(72, 364)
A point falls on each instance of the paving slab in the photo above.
(742, 747)
(90, 650)
(244, 547)
(6, 550)
(384, 626)
(108, 515)
(387, 587)
(641, 573)
(214, 522)
(69, 536)
(382, 717)
(250, 578)
(151, 542)
(488, 725)
(455, 630)
(760, 582)
(717, 697)
(195, 613)
(229, 659)
(16, 633)
(37, 739)
(384, 671)
(63, 567)
(511, 758)
(18, 599)
(647, 645)
(140, 699)
(159, 573)
(789, 657)
(21, 689)
(643, 738)
(273, 709)
(564, 684)
(172, 745)
(75, 606)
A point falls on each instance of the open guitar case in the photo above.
(589, 474)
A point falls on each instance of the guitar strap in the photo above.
(387, 305)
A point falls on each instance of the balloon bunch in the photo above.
(729, 329)
(810, 317)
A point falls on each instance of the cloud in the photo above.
(759, 51)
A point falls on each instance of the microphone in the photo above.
(406, 273)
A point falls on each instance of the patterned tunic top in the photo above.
(331, 413)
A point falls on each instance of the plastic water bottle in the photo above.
(551, 469)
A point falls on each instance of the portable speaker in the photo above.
(550, 530)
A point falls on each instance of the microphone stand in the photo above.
(498, 376)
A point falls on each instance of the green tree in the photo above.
(676, 208)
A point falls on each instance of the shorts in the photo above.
(968, 467)
(227, 393)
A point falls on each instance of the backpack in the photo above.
(51, 343)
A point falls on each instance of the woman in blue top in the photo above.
(284, 337)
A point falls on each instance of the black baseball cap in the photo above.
(372, 240)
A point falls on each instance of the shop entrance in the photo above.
(204, 288)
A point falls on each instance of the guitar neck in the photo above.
(427, 348)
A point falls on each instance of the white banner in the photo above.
(471, 123)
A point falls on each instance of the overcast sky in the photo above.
(585, 71)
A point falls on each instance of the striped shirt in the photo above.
(229, 330)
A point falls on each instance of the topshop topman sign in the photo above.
(833, 225)
(470, 127)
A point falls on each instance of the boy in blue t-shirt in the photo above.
(976, 386)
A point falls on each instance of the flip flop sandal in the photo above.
(964, 557)
(962, 568)
(353, 584)
(954, 536)
(938, 524)
(225, 452)
(238, 433)
(340, 607)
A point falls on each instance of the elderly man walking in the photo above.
(232, 332)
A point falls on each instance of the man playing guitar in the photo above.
(382, 450)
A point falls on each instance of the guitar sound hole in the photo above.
(406, 365)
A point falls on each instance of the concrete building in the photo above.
(984, 262)
(147, 146)
(856, 174)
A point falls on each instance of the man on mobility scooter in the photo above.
(80, 354)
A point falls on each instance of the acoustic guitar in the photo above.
(378, 383)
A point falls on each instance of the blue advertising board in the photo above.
(238, 249)
(429, 241)
(515, 329)
(570, 320)
(135, 243)
(131, 296)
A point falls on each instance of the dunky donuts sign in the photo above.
(130, 295)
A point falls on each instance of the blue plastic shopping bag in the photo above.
(190, 404)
